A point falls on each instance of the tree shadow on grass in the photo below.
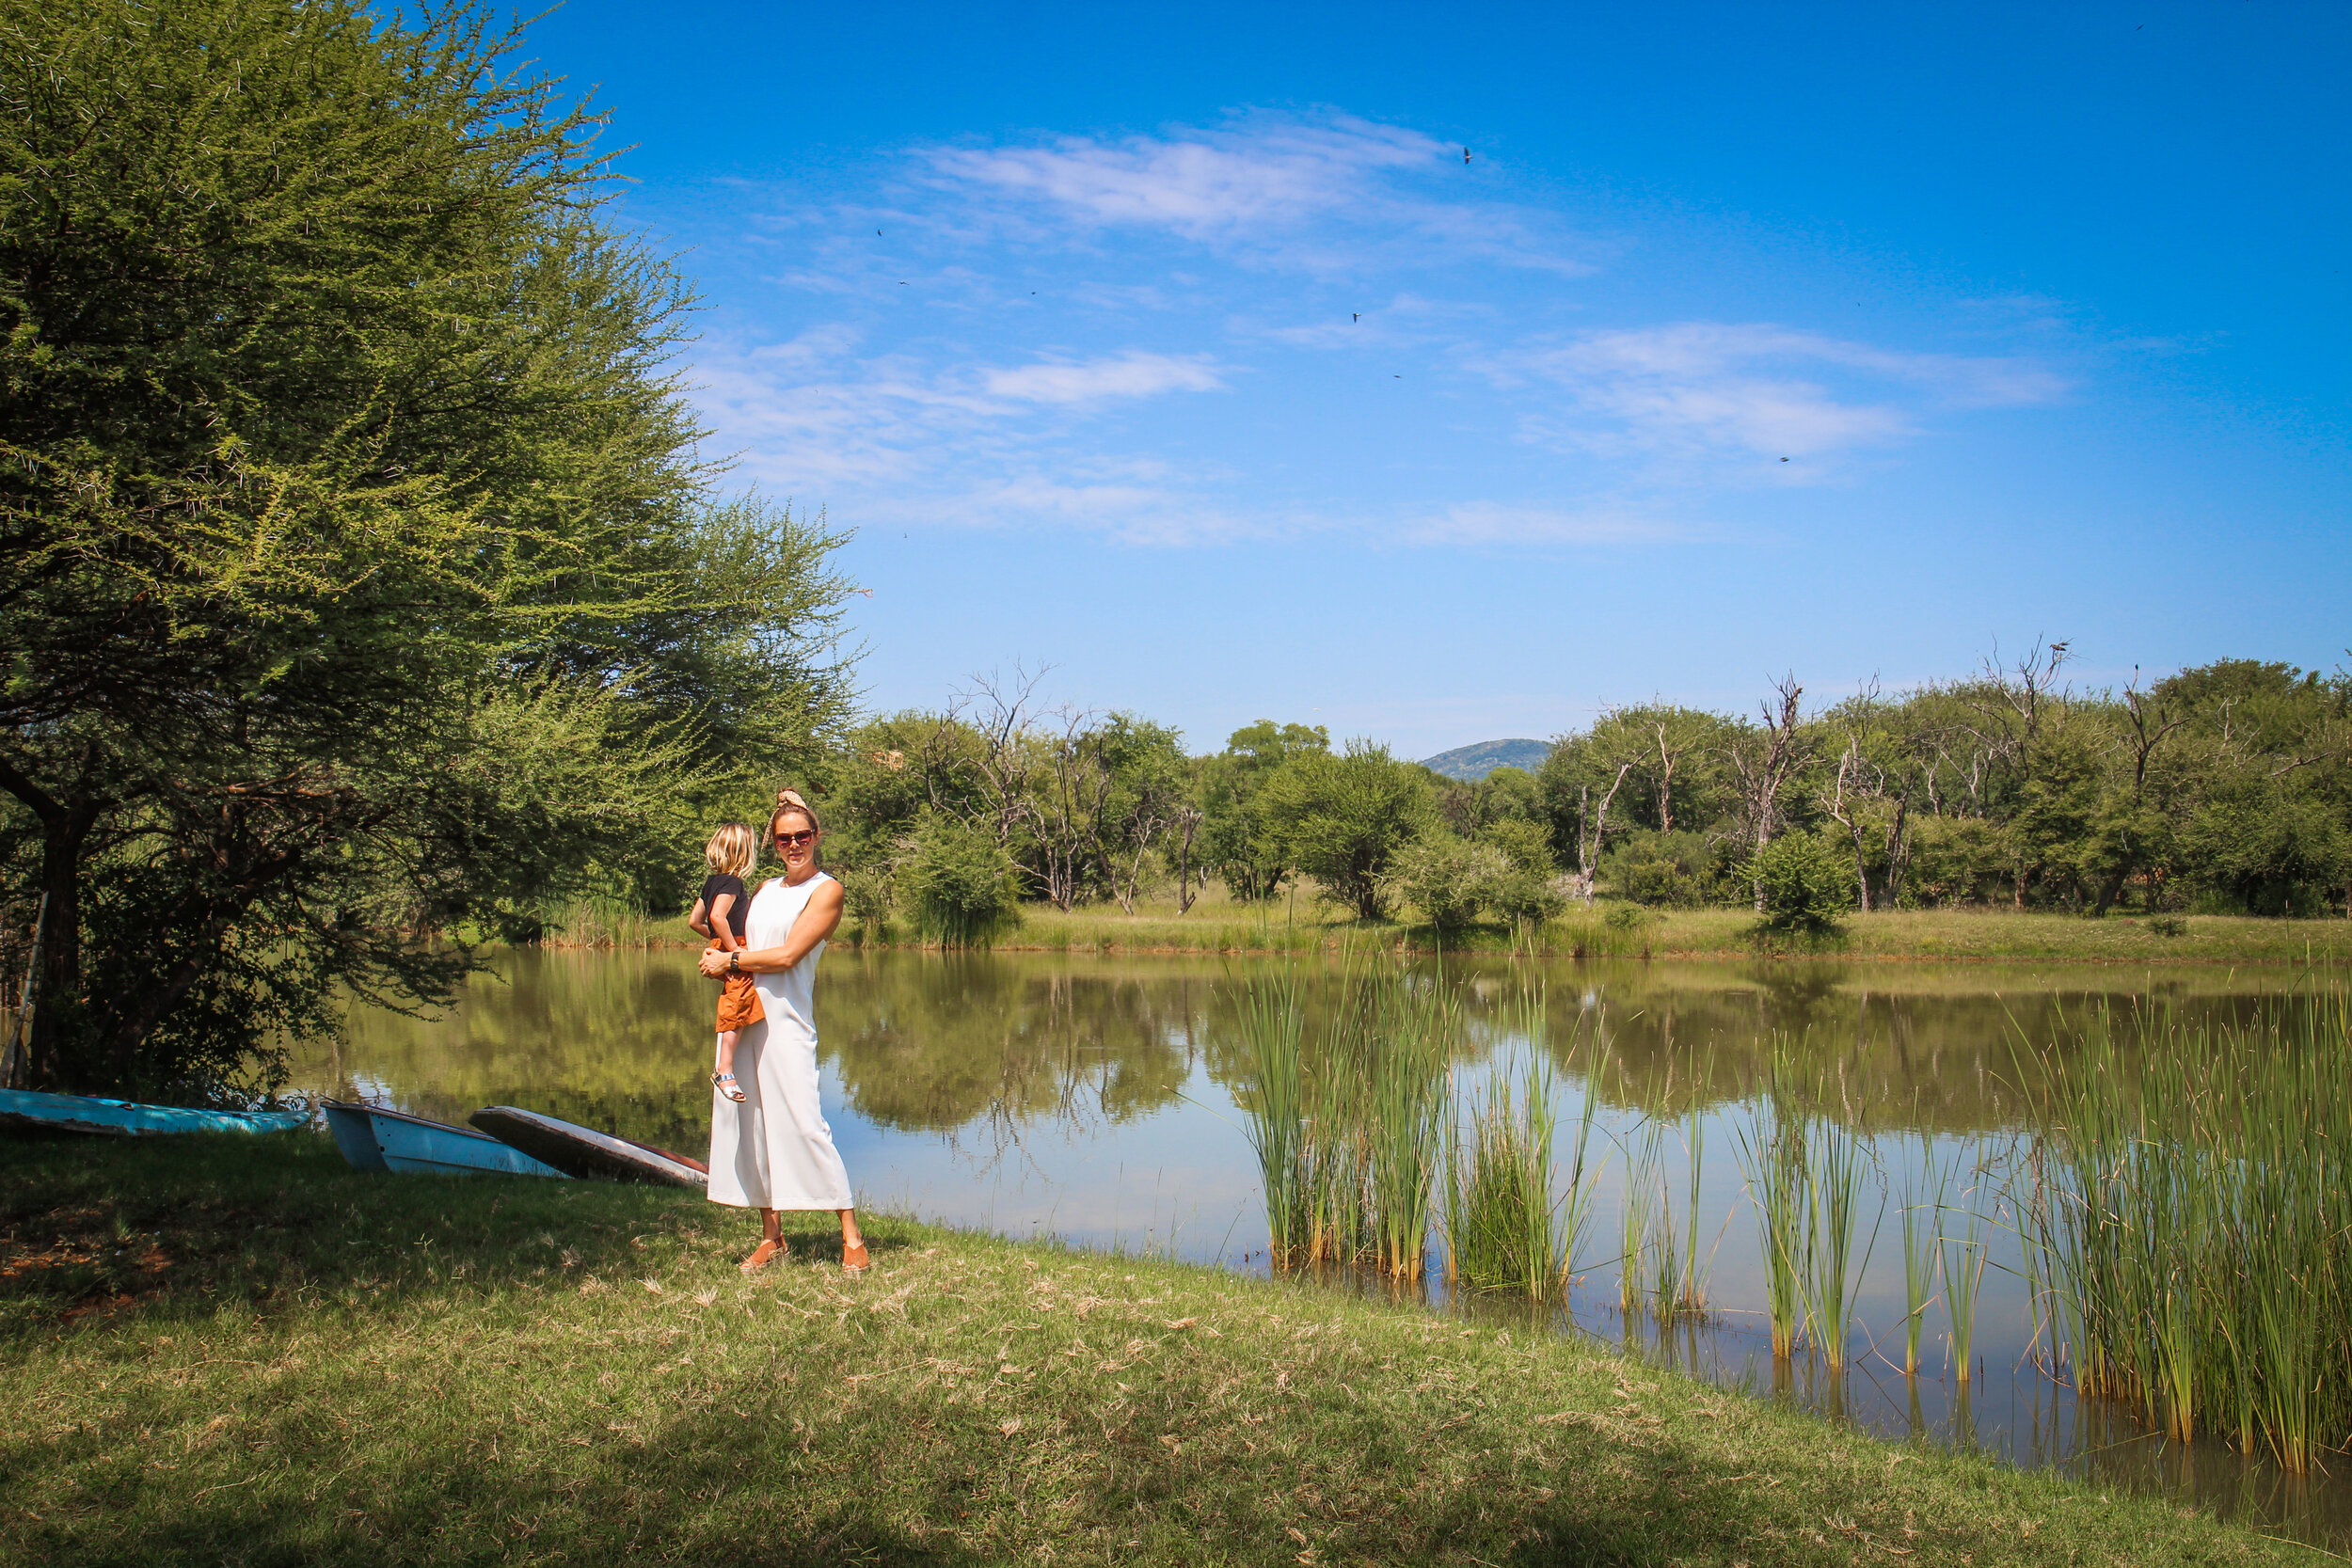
(98, 1228)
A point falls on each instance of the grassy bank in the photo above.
(220, 1349)
(1218, 925)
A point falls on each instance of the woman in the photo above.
(774, 1150)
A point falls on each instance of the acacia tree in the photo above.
(355, 573)
(1344, 818)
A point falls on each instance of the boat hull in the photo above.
(374, 1138)
(578, 1150)
(127, 1119)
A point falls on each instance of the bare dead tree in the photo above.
(1588, 840)
(1000, 713)
(1765, 771)
(1189, 819)
(2148, 728)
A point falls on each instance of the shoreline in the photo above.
(230, 1346)
(1631, 931)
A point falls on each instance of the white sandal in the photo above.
(724, 1083)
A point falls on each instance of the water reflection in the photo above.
(1090, 1099)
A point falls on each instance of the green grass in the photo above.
(1216, 924)
(221, 1349)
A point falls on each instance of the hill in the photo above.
(1471, 763)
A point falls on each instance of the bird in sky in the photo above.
(1465, 154)
(1355, 315)
(1784, 460)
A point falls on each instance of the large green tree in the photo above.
(357, 575)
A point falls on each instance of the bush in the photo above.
(865, 897)
(1676, 870)
(1449, 880)
(1808, 887)
(959, 881)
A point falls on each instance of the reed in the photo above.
(1635, 1222)
(1773, 1156)
(2192, 1216)
(1273, 1097)
(1503, 1230)
(1962, 1259)
(1922, 1235)
(1836, 1174)
(1689, 1292)
(1413, 1024)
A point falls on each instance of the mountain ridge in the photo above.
(1472, 763)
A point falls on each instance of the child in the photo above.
(718, 914)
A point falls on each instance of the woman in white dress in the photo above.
(772, 1151)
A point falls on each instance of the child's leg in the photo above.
(726, 1049)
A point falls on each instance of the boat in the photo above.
(578, 1150)
(374, 1138)
(128, 1119)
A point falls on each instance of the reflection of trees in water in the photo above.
(995, 1042)
(966, 1039)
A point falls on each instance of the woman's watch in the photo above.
(735, 962)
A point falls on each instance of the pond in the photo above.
(1093, 1100)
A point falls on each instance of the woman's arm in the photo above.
(814, 925)
(699, 922)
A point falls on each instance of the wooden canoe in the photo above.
(128, 1119)
(374, 1138)
(578, 1150)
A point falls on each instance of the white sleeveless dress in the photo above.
(774, 1151)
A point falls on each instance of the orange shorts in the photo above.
(739, 1001)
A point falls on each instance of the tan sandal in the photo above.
(854, 1260)
(769, 1249)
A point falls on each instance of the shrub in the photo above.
(865, 897)
(1449, 880)
(2167, 924)
(959, 881)
(1808, 887)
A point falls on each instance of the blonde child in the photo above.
(718, 914)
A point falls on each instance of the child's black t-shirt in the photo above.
(716, 888)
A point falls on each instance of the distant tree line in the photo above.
(2225, 789)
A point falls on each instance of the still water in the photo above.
(1090, 1099)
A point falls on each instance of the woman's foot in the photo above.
(769, 1249)
(853, 1259)
(724, 1083)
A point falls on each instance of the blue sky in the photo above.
(1179, 350)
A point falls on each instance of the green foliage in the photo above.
(1807, 887)
(1235, 838)
(1449, 880)
(1345, 819)
(958, 881)
(356, 573)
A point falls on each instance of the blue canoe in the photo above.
(373, 1138)
(125, 1119)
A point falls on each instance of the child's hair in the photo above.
(731, 850)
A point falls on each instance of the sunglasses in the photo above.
(794, 841)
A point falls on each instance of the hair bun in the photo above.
(790, 798)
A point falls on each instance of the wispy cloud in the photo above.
(1327, 194)
(1133, 374)
(1698, 389)
(1261, 174)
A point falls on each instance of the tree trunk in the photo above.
(64, 836)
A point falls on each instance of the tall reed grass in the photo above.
(2190, 1212)
(1363, 1144)
(1806, 1174)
